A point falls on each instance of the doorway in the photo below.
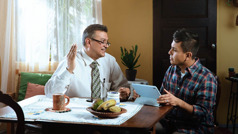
(196, 15)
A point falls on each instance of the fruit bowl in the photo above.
(106, 114)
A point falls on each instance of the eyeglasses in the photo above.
(101, 42)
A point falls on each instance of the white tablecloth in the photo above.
(78, 113)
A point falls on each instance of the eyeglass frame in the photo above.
(101, 42)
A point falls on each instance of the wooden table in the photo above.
(143, 122)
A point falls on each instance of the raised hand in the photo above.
(71, 58)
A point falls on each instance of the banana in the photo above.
(115, 109)
(105, 105)
(97, 103)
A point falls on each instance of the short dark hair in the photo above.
(190, 40)
(89, 31)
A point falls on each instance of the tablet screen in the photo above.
(146, 90)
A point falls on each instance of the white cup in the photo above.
(114, 95)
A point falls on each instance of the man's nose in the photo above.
(106, 46)
(170, 52)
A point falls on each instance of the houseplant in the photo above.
(235, 2)
(129, 59)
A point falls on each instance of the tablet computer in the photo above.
(148, 91)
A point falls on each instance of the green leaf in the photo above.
(122, 53)
(129, 58)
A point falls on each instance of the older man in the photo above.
(89, 72)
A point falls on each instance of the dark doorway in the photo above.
(168, 16)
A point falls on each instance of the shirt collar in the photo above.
(87, 59)
(192, 68)
(195, 66)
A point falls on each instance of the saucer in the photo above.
(58, 111)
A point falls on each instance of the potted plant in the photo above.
(235, 2)
(129, 59)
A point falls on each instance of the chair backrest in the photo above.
(6, 99)
(33, 77)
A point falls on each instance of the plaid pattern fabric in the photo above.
(198, 88)
(95, 86)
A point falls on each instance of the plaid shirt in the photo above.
(198, 88)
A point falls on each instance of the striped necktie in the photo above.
(95, 85)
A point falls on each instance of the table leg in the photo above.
(228, 118)
(153, 130)
(232, 111)
(234, 123)
(10, 128)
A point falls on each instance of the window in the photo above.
(45, 29)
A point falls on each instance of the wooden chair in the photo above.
(15, 94)
(31, 128)
(6, 99)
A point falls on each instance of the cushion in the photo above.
(36, 78)
(34, 89)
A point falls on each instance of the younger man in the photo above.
(188, 86)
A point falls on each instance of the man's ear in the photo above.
(87, 42)
(189, 54)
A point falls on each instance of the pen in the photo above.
(103, 82)
(89, 100)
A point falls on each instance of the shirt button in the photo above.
(178, 88)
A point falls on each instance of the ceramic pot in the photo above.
(131, 74)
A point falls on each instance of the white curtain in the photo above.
(7, 44)
(47, 28)
(43, 32)
(71, 18)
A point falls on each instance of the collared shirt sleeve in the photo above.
(60, 80)
(206, 98)
(117, 78)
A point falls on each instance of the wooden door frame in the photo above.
(156, 33)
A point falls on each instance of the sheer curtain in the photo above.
(44, 30)
(7, 44)
(50, 28)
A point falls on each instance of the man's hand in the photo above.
(124, 93)
(135, 95)
(168, 99)
(71, 58)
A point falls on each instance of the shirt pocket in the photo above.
(105, 88)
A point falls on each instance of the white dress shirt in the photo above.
(78, 84)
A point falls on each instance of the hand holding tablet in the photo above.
(148, 94)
